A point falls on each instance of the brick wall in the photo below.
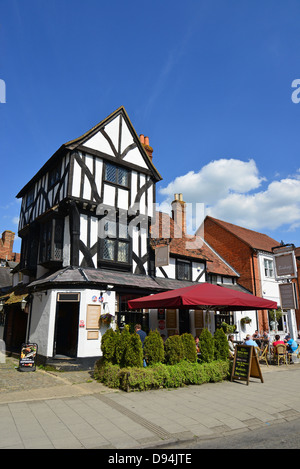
(236, 252)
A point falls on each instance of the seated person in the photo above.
(231, 346)
(291, 345)
(278, 341)
(250, 341)
(265, 337)
(256, 338)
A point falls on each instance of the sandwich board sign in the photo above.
(28, 357)
(245, 364)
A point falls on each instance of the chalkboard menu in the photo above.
(28, 357)
(245, 364)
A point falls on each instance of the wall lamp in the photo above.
(23, 304)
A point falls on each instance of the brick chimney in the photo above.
(179, 212)
(145, 142)
(6, 244)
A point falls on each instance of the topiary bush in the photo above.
(108, 346)
(121, 346)
(154, 348)
(221, 348)
(134, 352)
(174, 352)
(189, 347)
(206, 344)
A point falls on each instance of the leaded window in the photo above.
(116, 174)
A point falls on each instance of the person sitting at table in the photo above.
(250, 341)
(291, 346)
(231, 346)
(256, 338)
(278, 341)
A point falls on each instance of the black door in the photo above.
(184, 321)
(66, 337)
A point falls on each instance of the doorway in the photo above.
(184, 321)
(66, 329)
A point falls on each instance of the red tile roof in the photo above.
(255, 240)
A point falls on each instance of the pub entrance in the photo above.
(66, 325)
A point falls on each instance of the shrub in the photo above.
(154, 348)
(108, 345)
(160, 375)
(121, 346)
(134, 352)
(221, 348)
(206, 344)
(173, 350)
(189, 347)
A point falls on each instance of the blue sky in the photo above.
(210, 83)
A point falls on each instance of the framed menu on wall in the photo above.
(92, 316)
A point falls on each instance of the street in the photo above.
(280, 436)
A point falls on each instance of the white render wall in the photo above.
(43, 321)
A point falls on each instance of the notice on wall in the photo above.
(93, 316)
(28, 357)
(171, 319)
(245, 364)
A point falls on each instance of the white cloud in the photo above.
(231, 191)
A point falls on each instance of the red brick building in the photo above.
(249, 253)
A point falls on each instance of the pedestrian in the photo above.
(143, 335)
(140, 332)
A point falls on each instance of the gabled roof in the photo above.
(80, 141)
(254, 239)
(189, 246)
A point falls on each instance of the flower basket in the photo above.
(106, 319)
(246, 320)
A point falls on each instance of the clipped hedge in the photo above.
(160, 375)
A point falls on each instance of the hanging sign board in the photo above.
(245, 364)
(288, 296)
(285, 262)
(161, 255)
(28, 357)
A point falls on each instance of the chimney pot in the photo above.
(142, 139)
(147, 141)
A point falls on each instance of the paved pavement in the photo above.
(69, 410)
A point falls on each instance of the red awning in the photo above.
(203, 296)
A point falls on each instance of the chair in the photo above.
(290, 354)
(264, 355)
(280, 353)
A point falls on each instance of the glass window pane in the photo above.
(123, 230)
(122, 177)
(110, 173)
(110, 229)
(123, 252)
(108, 249)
